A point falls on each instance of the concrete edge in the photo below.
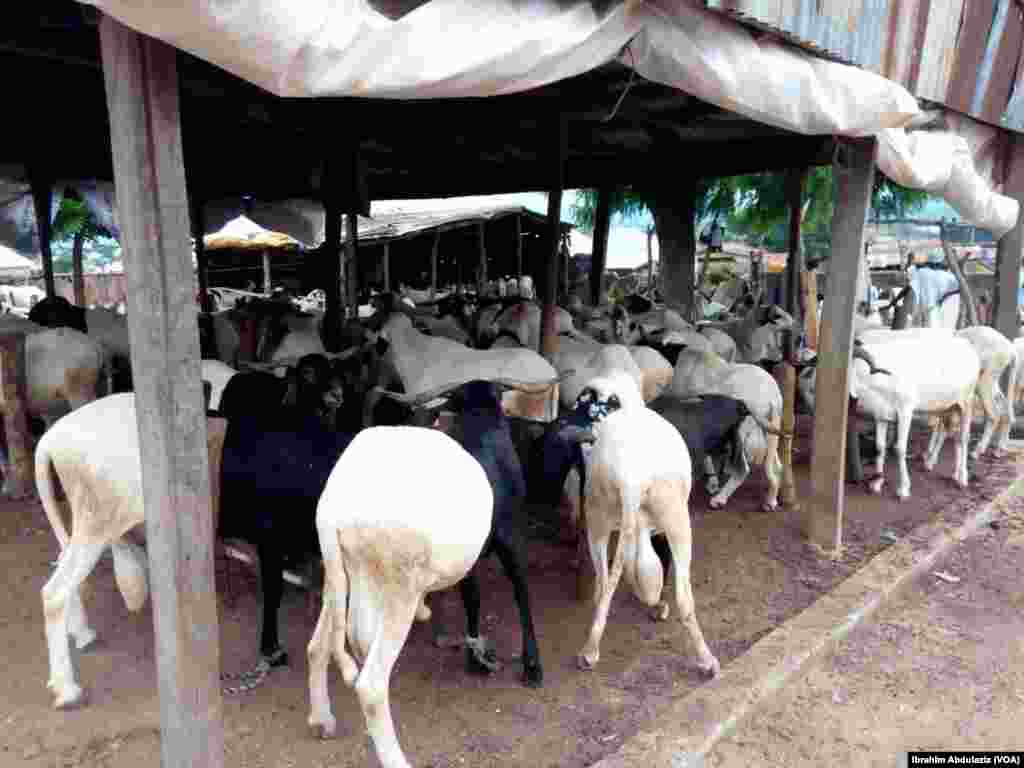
(684, 735)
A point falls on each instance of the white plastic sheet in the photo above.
(458, 48)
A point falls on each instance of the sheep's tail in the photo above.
(45, 473)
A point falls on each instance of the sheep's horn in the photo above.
(417, 400)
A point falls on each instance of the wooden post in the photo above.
(334, 260)
(351, 259)
(42, 191)
(14, 394)
(433, 264)
(794, 267)
(519, 246)
(548, 339)
(565, 269)
(142, 98)
(77, 278)
(809, 288)
(387, 267)
(675, 210)
(198, 219)
(599, 254)
(854, 173)
(267, 284)
(481, 281)
(1008, 253)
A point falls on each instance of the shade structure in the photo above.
(244, 234)
(14, 265)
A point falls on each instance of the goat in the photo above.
(638, 482)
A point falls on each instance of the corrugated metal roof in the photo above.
(399, 224)
(965, 54)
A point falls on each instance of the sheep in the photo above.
(94, 452)
(705, 373)
(385, 546)
(638, 482)
(890, 381)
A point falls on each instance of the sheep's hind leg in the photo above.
(605, 588)
(881, 441)
(76, 563)
(479, 659)
(679, 538)
(664, 552)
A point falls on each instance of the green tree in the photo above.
(74, 221)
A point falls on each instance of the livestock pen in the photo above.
(751, 571)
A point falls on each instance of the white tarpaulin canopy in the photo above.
(14, 265)
(459, 48)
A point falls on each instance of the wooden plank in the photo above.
(674, 212)
(1003, 72)
(352, 259)
(549, 286)
(433, 265)
(387, 267)
(481, 278)
(42, 191)
(970, 53)
(939, 50)
(142, 97)
(854, 173)
(1010, 247)
(599, 253)
(19, 481)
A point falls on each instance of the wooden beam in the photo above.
(351, 258)
(599, 254)
(809, 292)
(481, 280)
(20, 479)
(854, 173)
(548, 339)
(42, 192)
(387, 267)
(433, 265)
(1010, 247)
(519, 246)
(674, 211)
(142, 98)
(198, 220)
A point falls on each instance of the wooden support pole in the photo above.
(519, 246)
(433, 264)
(565, 270)
(809, 289)
(854, 172)
(141, 80)
(674, 212)
(42, 192)
(352, 259)
(20, 478)
(599, 254)
(481, 280)
(548, 339)
(1008, 254)
(198, 219)
(77, 276)
(794, 267)
(387, 267)
(334, 260)
(267, 283)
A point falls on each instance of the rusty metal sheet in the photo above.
(1013, 115)
(939, 48)
(970, 50)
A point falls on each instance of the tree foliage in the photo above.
(756, 204)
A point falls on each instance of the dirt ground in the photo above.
(751, 571)
(940, 668)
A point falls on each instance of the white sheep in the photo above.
(385, 545)
(94, 452)
(638, 482)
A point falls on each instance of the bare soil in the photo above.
(751, 571)
(942, 667)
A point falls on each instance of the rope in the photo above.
(629, 84)
(253, 678)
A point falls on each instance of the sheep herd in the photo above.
(409, 456)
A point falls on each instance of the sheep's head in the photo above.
(601, 398)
